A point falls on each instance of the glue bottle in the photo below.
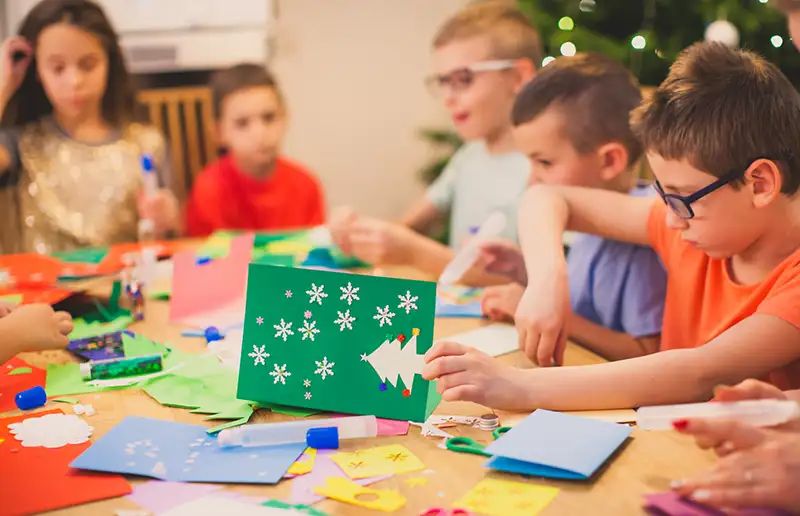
(273, 434)
(146, 229)
(750, 412)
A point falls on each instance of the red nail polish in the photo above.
(680, 424)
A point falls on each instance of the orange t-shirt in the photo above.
(703, 300)
(224, 197)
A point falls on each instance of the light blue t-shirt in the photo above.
(475, 184)
(618, 285)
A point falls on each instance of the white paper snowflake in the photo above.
(280, 374)
(258, 355)
(407, 302)
(306, 383)
(324, 368)
(284, 330)
(384, 316)
(309, 330)
(308, 395)
(288, 294)
(259, 321)
(316, 294)
(51, 431)
(345, 320)
(350, 293)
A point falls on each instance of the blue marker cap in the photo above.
(323, 438)
(473, 230)
(147, 163)
(31, 399)
(212, 334)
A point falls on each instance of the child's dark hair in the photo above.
(594, 93)
(240, 77)
(787, 6)
(30, 103)
(722, 108)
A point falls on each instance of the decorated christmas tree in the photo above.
(391, 361)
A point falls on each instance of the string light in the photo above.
(763, 1)
(776, 41)
(587, 6)
(638, 42)
(547, 60)
(568, 49)
(566, 23)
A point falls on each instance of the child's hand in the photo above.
(37, 327)
(500, 303)
(749, 390)
(339, 226)
(378, 242)
(13, 72)
(162, 209)
(541, 319)
(505, 259)
(466, 374)
(6, 308)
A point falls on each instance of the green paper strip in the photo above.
(12, 298)
(289, 411)
(71, 401)
(230, 424)
(160, 295)
(305, 509)
(20, 370)
(93, 255)
(83, 329)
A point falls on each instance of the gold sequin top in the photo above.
(70, 194)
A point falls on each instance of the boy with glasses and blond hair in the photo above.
(483, 55)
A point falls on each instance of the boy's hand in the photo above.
(6, 308)
(466, 374)
(339, 226)
(504, 259)
(500, 303)
(162, 209)
(37, 327)
(541, 319)
(378, 242)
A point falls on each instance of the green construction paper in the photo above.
(276, 294)
(139, 346)
(290, 411)
(160, 295)
(304, 509)
(20, 370)
(229, 424)
(93, 255)
(12, 298)
(66, 380)
(266, 258)
(83, 329)
(236, 410)
(71, 401)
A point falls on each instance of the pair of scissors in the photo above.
(468, 445)
(439, 511)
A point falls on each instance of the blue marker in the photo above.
(146, 230)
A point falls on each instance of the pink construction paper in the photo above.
(670, 504)
(324, 467)
(159, 496)
(386, 427)
(207, 288)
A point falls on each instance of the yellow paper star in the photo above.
(416, 481)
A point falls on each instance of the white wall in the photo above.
(353, 72)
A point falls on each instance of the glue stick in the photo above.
(121, 367)
(273, 434)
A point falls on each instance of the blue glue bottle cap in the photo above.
(323, 438)
(212, 334)
(147, 163)
(31, 399)
(202, 260)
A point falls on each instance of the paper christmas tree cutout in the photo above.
(339, 342)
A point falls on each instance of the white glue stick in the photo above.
(750, 412)
(467, 257)
(273, 434)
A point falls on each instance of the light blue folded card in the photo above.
(555, 445)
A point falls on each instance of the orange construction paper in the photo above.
(39, 479)
(114, 261)
(13, 384)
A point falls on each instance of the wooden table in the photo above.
(646, 464)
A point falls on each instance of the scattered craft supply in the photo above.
(495, 339)
(302, 491)
(70, 401)
(32, 398)
(346, 491)
(99, 347)
(459, 301)
(87, 410)
(440, 511)
(297, 508)
(10, 385)
(115, 368)
(270, 434)
(51, 431)
(468, 445)
(502, 498)
(20, 370)
(416, 481)
(304, 464)
(159, 496)
(340, 342)
(489, 422)
(381, 460)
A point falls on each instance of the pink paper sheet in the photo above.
(324, 467)
(158, 496)
(670, 504)
(386, 427)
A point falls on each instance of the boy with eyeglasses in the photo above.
(722, 137)
(483, 55)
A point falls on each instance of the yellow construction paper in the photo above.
(343, 490)
(304, 464)
(416, 481)
(502, 498)
(375, 462)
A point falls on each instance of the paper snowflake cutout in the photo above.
(308, 314)
(258, 355)
(280, 374)
(306, 383)
(284, 330)
(345, 320)
(288, 294)
(407, 302)
(384, 316)
(308, 395)
(316, 294)
(259, 321)
(51, 431)
(364, 357)
(350, 293)
(324, 368)
(309, 330)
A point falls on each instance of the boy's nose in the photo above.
(676, 222)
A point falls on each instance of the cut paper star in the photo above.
(364, 357)
(288, 294)
(308, 395)
(306, 383)
(259, 321)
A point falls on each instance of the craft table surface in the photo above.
(645, 465)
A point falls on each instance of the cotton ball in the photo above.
(724, 32)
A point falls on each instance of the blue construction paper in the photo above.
(447, 309)
(186, 453)
(555, 445)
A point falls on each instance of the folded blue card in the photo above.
(555, 445)
(180, 452)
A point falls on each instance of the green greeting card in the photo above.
(337, 341)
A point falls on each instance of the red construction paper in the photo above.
(11, 385)
(114, 260)
(39, 479)
(33, 270)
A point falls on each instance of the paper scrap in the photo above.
(346, 491)
(20, 370)
(158, 496)
(416, 481)
(71, 401)
(503, 498)
(303, 486)
(214, 504)
(303, 509)
(494, 339)
(304, 464)
(51, 431)
(382, 460)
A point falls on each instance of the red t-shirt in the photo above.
(224, 197)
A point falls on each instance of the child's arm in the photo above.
(753, 348)
(610, 344)
(421, 215)
(33, 328)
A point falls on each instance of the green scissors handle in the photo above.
(468, 445)
(500, 431)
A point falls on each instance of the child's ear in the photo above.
(613, 160)
(765, 182)
(526, 71)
